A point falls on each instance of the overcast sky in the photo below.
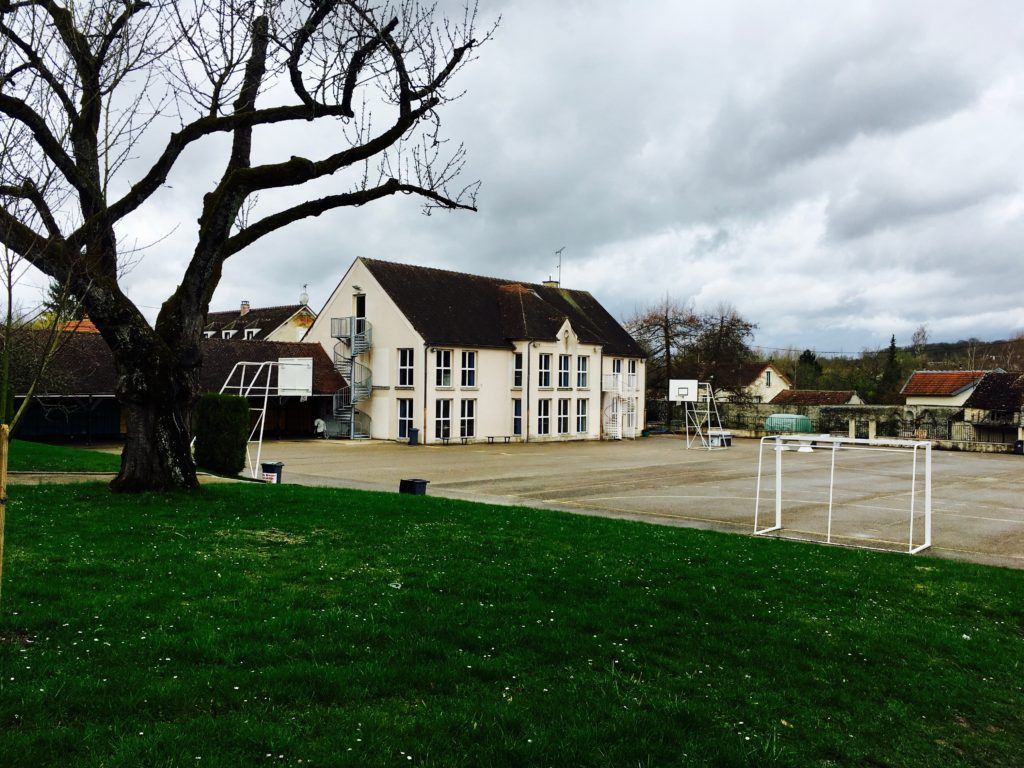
(838, 171)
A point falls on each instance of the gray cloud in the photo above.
(837, 171)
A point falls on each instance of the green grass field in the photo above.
(254, 625)
(39, 457)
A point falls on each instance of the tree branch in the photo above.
(276, 221)
(18, 110)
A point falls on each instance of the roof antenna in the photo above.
(558, 253)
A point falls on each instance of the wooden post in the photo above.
(5, 434)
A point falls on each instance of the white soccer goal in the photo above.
(879, 485)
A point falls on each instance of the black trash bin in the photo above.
(414, 436)
(272, 471)
(416, 487)
(1018, 447)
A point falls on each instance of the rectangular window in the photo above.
(517, 370)
(405, 368)
(468, 368)
(442, 418)
(581, 416)
(563, 415)
(563, 371)
(617, 365)
(582, 371)
(227, 334)
(404, 417)
(467, 418)
(543, 417)
(250, 333)
(544, 370)
(517, 416)
(442, 367)
(768, 378)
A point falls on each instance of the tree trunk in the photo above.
(157, 454)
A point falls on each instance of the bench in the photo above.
(507, 438)
(445, 440)
(463, 440)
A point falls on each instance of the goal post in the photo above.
(918, 467)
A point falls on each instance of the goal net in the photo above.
(839, 490)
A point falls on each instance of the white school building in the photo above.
(465, 357)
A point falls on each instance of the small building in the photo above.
(458, 356)
(285, 323)
(754, 383)
(994, 412)
(76, 398)
(799, 397)
(940, 388)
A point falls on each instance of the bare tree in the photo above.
(83, 84)
(920, 339)
(663, 330)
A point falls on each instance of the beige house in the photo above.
(940, 388)
(755, 383)
(470, 358)
(285, 323)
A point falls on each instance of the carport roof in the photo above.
(474, 311)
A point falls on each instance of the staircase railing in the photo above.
(355, 336)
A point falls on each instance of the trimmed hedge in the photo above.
(222, 431)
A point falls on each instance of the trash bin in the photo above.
(1018, 447)
(414, 436)
(272, 471)
(416, 487)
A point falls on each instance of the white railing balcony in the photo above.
(354, 331)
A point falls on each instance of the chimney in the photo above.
(245, 308)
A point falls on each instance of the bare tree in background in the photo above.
(87, 87)
(663, 330)
(920, 339)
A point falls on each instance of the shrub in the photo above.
(222, 431)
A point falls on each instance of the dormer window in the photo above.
(209, 334)
(251, 333)
(227, 334)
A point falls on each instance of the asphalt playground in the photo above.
(977, 498)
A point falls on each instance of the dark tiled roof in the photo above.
(266, 319)
(940, 383)
(83, 364)
(998, 391)
(813, 397)
(473, 311)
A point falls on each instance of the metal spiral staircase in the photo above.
(355, 337)
(620, 413)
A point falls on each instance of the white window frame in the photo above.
(564, 371)
(406, 367)
(582, 409)
(251, 333)
(517, 370)
(562, 424)
(517, 416)
(443, 368)
(442, 418)
(467, 418)
(582, 371)
(544, 416)
(767, 378)
(405, 422)
(468, 370)
(209, 334)
(544, 370)
(227, 334)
